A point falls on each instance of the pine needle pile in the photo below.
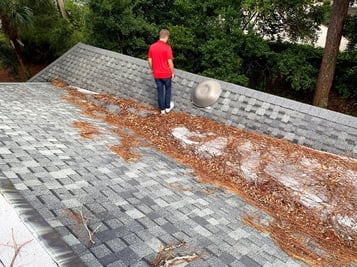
(311, 195)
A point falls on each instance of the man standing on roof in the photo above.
(160, 59)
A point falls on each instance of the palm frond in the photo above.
(21, 17)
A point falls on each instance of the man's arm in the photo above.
(172, 68)
(150, 62)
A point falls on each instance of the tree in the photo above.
(8, 58)
(154, 11)
(14, 16)
(350, 30)
(60, 5)
(115, 26)
(327, 70)
(225, 42)
(214, 22)
(298, 19)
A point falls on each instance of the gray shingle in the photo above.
(252, 105)
(138, 212)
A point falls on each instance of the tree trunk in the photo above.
(19, 56)
(12, 35)
(60, 4)
(328, 64)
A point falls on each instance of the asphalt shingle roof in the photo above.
(105, 71)
(53, 169)
(45, 163)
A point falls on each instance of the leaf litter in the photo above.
(310, 194)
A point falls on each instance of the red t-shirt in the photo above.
(160, 52)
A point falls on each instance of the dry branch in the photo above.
(85, 224)
(181, 259)
(83, 220)
(168, 255)
(17, 247)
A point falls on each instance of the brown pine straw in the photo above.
(59, 83)
(294, 223)
(295, 244)
(126, 149)
(87, 129)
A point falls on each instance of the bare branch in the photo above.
(85, 224)
(181, 259)
(17, 248)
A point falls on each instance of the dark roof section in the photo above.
(106, 71)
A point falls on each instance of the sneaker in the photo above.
(171, 107)
(162, 112)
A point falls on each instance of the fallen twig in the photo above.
(181, 259)
(16, 247)
(85, 223)
(167, 256)
(80, 218)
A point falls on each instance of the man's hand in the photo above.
(172, 68)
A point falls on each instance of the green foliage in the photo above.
(325, 12)
(52, 35)
(183, 41)
(114, 26)
(255, 53)
(214, 36)
(293, 65)
(276, 18)
(8, 58)
(185, 12)
(220, 55)
(18, 15)
(154, 11)
(350, 30)
(221, 61)
(222, 39)
(77, 14)
(346, 84)
(15, 15)
(346, 72)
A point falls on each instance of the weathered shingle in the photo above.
(106, 71)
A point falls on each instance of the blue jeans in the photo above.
(164, 92)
